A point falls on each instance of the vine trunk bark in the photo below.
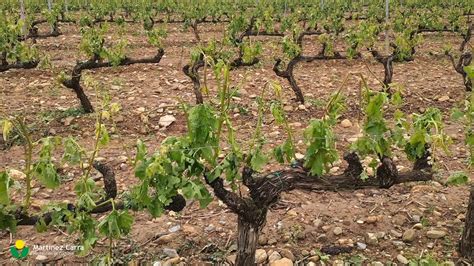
(466, 246)
(246, 242)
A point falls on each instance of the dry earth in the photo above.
(380, 224)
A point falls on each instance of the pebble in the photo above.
(435, 234)
(396, 233)
(371, 239)
(282, 262)
(41, 258)
(166, 121)
(274, 256)
(409, 235)
(299, 156)
(418, 226)
(337, 231)
(398, 244)
(317, 223)
(361, 245)
(346, 123)
(443, 98)
(402, 259)
(172, 261)
(371, 219)
(174, 229)
(272, 241)
(172, 253)
(399, 219)
(260, 256)
(326, 228)
(286, 253)
(416, 218)
(166, 239)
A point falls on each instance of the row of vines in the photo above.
(195, 165)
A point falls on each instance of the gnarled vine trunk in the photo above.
(466, 245)
(247, 239)
(75, 82)
(265, 190)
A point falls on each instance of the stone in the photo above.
(371, 220)
(399, 244)
(274, 256)
(17, 175)
(311, 264)
(380, 234)
(435, 234)
(174, 229)
(399, 219)
(417, 226)
(172, 261)
(301, 107)
(345, 242)
(371, 239)
(377, 263)
(272, 241)
(172, 253)
(292, 213)
(166, 239)
(122, 159)
(41, 258)
(317, 223)
(416, 218)
(282, 262)
(322, 238)
(314, 258)
(337, 231)
(396, 234)
(262, 240)
(299, 156)
(166, 121)
(190, 230)
(288, 108)
(286, 253)
(68, 120)
(346, 123)
(260, 256)
(409, 235)
(326, 228)
(274, 134)
(338, 263)
(443, 98)
(402, 259)
(361, 245)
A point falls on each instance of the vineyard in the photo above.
(237, 132)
